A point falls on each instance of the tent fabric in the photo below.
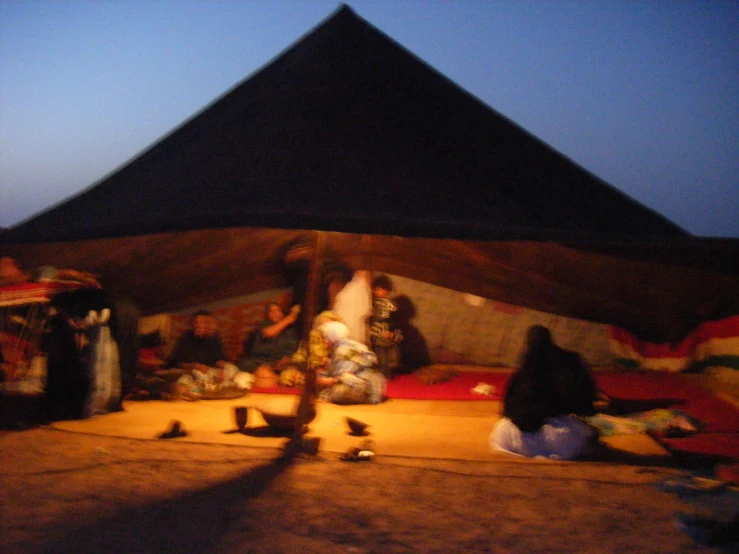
(489, 334)
(492, 333)
(22, 294)
(348, 131)
(713, 343)
(348, 134)
(166, 272)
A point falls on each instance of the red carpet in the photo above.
(409, 387)
(717, 441)
(704, 449)
(641, 391)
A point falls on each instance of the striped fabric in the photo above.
(717, 343)
(714, 343)
(22, 294)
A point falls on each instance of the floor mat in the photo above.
(704, 449)
(637, 391)
(461, 387)
(718, 438)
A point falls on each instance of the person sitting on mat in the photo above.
(350, 374)
(268, 349)
(543, 402)
(200, 352)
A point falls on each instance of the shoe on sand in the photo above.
(174, 430)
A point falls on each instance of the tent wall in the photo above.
(171, 271)
(466, 329)
(485, 332)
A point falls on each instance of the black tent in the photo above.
(348, 132)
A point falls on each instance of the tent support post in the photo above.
(306, 409)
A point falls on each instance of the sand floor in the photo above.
(108, 485)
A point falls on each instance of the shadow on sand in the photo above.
(192, 522)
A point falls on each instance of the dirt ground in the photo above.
(69, 492)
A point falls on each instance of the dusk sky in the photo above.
(645, 95)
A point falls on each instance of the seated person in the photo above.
(268, 349)
(541, 407)
(315, 357)
(349, 374)
(200, 352)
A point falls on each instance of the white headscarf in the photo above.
(334, 331)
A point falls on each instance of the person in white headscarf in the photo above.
(350, 375)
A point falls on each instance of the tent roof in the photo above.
(348, 131)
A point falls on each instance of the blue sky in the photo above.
(643, 94)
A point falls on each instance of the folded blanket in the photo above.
(659, 420)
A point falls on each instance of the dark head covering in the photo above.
(539, 352)
(538, 337)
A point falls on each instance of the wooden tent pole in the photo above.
(368, 264)
(307, 404)
(367, 247)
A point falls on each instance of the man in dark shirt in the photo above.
(200, 351)
(201, 345)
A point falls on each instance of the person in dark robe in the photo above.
(67, 381)
(545, 401)
(124, 322)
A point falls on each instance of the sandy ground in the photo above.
(75, 492)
